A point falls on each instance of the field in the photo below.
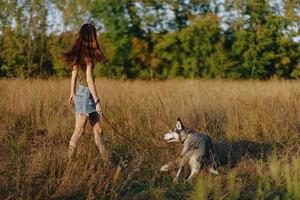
(255, 126)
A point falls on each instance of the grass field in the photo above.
(254, 124)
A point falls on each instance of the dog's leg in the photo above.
(213, 160)
(195, 167)
(179, 170)
(167, 167)
(182, 160)
(170, 165)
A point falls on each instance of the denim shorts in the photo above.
(84, 101)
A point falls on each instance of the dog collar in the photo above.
(179, 137)
(187, 134)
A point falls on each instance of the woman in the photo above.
(82, 57)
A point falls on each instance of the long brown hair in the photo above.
(85, 48)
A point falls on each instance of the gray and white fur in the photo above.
(197, 149)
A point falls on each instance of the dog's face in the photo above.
(177, 134)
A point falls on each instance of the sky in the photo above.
(55, 20)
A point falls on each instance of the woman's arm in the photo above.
(91, 84)
(73, 85)
(73, 79)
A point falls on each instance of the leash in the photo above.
(129, 139)
(119, 133)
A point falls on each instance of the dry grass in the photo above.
(255, 126)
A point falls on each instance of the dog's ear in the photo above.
(179, 124)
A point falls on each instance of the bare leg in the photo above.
(98, 134)
(81, 120)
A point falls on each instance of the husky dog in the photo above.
(197, 148)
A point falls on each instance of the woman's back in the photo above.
(81, 76)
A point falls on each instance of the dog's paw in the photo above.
(213, 171)
(175, 180)
(164, 168)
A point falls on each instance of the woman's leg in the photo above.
(81, 120)
(98, 134)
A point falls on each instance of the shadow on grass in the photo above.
(231, 153)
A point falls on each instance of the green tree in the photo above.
(112, 15)
(260, 43)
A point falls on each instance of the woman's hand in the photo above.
(98, 108)
(72, 100)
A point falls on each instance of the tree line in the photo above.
(155, 39)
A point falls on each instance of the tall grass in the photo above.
(255, 126)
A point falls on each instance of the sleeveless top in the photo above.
(81, 76)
